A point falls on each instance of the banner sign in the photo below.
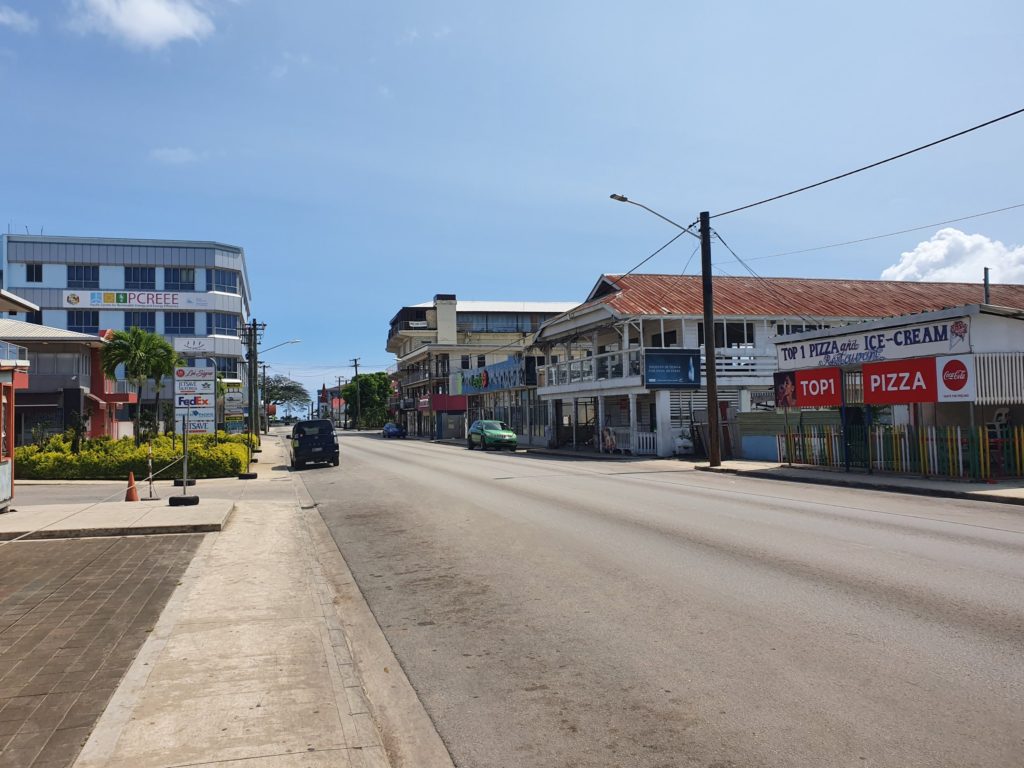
(956, 379)
(195, 345)
(900, 382)
(492, 378)
(194, 401)
(134, 300)
(194, 374)
(195, 387)
(907, 341)
(813, 388)
(672, 368)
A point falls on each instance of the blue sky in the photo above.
(368, 156)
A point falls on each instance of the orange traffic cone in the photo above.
(132, 493)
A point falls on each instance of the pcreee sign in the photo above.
(900, 382)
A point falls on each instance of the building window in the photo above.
(783, 329)
(228, 366)
(670, 339)
(465, 362)
(33, 273)
(180, 323)
(84, 320)
(729, 334)
(221, 324)
(481, 361)
(223, 280)
(144, 320)
(140, 278)
(35, 318)
(82, 276)
(179, 279)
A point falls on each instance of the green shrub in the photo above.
(106, 459)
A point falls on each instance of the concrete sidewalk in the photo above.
(1005, 492)
(265, 651)
(250, 663)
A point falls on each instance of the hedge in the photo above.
(106, 459)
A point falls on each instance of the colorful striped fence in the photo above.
(966, 453)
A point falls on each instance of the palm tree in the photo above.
(165, 360)
(144, 355)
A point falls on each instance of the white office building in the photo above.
(194, 293)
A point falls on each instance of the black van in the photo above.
(313, 441)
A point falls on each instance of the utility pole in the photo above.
(710, 372)
(266, 405)
(344, 410)
(359, 403)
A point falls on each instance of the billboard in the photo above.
(672, 368)
(956, 379)
(900, 382)
(134, 300)
(813, 388)
(907, 341)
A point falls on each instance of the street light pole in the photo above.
(710, 354)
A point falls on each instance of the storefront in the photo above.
(932, 393)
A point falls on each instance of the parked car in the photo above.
(393, 430)
(313, 441)
(488, 433)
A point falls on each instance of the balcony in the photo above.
(12, 353)
(411, 326)
(617, 370)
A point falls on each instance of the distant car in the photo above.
(393, 430)
(313, 441)
(488, 433)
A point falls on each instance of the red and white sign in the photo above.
(956, 378)
(819, 388)
(900, 382)
(182, 373)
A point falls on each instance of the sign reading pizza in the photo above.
(900, 382)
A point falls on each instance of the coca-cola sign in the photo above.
(957, 380)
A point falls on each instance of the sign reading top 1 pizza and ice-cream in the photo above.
(135, 300)
(943, 337)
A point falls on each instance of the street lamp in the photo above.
(711, 373)
(283, 343)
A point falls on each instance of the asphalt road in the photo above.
(555, 612)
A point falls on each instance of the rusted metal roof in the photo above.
(641, 294)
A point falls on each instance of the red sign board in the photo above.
(812, 388)
(900, 382)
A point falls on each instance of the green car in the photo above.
(491, 434)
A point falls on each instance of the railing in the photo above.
(964, 453)
(630, 363)
(120, 387)
(10, 351)
(410, 325)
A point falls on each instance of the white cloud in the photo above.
(952, 256)
(144, 23)
(174, 155)
(16, 20)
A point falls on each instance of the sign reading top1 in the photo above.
(134, 300)
(920, 340)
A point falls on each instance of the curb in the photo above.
(408, 733)
(866, 486)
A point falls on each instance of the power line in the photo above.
(774, 288)
(872, 165)
(888, 234)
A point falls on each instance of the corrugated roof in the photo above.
(791, 296)
(17, 330)
(507, 306)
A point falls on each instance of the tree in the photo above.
(368, 408)
(144, 356)
(280, 390)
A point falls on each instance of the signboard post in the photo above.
(195, 400)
